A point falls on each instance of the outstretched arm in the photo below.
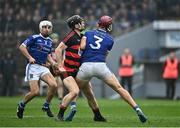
(50, 60)
(59, 53)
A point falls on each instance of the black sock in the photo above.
(96, 112)
(61, 111)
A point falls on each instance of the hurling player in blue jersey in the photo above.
(37, 49)
(96, 45)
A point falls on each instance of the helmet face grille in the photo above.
(73, 20)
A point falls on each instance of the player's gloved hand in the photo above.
(32, 60)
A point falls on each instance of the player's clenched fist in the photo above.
(32, 60)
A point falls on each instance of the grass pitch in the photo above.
(161, 113)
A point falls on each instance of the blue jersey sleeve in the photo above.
(111, 45)
(86, 34)
(52, 50)
(29, 41)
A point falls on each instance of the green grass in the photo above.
(161, 113)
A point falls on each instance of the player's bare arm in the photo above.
(83, 43)
(50, 60)
(59, 53)
(25, 52)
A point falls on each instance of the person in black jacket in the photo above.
(8, 74)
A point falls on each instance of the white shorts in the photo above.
(35, 72)
(93, 69)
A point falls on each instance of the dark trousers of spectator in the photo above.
(170, 88)
(127, 81)
(8, 87)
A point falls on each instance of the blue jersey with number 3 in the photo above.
(98, 43)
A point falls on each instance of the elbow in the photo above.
(82, 47)
(20, 48)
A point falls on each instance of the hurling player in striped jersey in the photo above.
(71, 45)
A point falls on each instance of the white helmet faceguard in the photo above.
(45, 23)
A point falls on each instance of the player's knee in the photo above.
(53, 85)
(35, 92)
(75, 92)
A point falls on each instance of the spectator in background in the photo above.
(8, 73)
(126, 69)
(134, 16)
(170, 74)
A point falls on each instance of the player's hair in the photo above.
(73, 20)
(45, 23)
(105, 22)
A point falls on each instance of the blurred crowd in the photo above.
(22, 16)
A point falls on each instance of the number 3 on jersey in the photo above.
(97, 44)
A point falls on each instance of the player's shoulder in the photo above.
(110, 37)
(32, 37)
(89, 32)
(35, 36)
(69, 36)
(38, 37)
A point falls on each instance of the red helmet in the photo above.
(105, 21)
